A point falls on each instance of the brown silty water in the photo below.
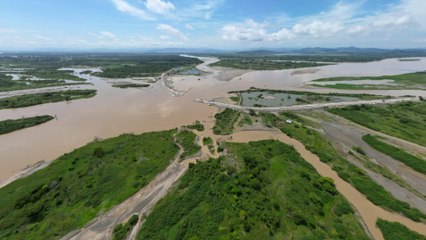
(115, 111)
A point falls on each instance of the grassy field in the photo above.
(261, 190)
(412, 161)
(11, 125)
(41, 98)
(187, 140)
(405, 120)
(262, 63)
(82, 184)
(316, 143)
(225, 121)
(397, 231)
(410, 80)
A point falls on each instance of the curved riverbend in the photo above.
(367, 210)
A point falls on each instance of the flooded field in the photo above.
(115, 111)
(277, 99)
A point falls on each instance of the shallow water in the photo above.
(115, 111)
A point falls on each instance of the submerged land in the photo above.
(244, 145)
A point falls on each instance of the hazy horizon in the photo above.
(213, 24)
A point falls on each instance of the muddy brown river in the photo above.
(114, 111)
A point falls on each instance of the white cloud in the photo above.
(203, 10)
(172, 31)
(250, 30)
(107, 35)
(159, 6)
(125, 7)
(343, 20)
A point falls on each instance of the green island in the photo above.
(131, 85)
(260, 190)
(262, 63)
(399, 154)
(397, 231)
(82, 184)
(11, 125)
(48, 97)
(225, 121)
(416, 80)
(403, 120)
(143, 65)
(257, 97)
(197, 125)
(303, 130)
(188, 141)
(7, 84)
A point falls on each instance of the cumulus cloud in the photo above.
(172, 31)
(250, 30)
(126, 7)
(159, 6)
(342, 20)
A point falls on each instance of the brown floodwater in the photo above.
(114, 111)
(367, 210)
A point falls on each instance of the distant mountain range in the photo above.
(251, 52)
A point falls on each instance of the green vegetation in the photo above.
(208, 141)
(262, 190)
(414, 162)
(245, 120)
(188, 141)
(359, 150)
(236, 99)
(11, 125)
(51, 73)
(41, 98)
(197, 125)
(7, 84)
(404, 120)
(131, 85)
(262, 63)
(78, 186)
(409, 80)
(145, 66)
(397, 231)
(314, 142)
(121, 231)
(225, 121)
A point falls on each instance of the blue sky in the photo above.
(221, 24)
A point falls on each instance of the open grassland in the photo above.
(412, 161)
(404, 120)
(11, 125)
(403, 81)
(225, 121)
(301, 130)
(397, 231)
(261, 190)
(78, 186)
(41, 98)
